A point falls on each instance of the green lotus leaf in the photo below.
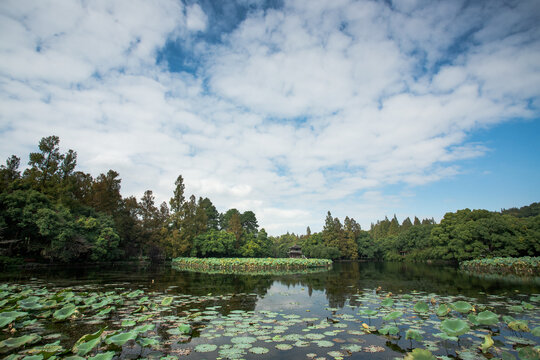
(516, 308)
(88, 337)
(454, 327)
(8, 317)
(527, 306)
(488, 342)
(519, 325)
(413, 335)
(393, 315)
(65, 312)
(74, 357)
(389, 329)
(243, 340)
(473, 318)
(487, 318)
(128, 323)
(205, 348)
(30, 303)
(444, 336)
(421, 307)
(46, 351)
(13, 343)
(284, 346)
(442, 310)
(258, 350)
(122, 338)
(461, 306)
(184, 329)
(529, 353)
(324, 343)
(167, 301)
(420, 354)
(388, 302)
(507, 356)
(106, 311)
(352, 348)
(84, 348)
(144, 342)
(368, 312)
(134, 294)
(536, 331)
(34, 357)
(141, 329)
(103, 356)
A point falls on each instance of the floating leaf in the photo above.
(167, 301)
(122, 338)
(393, 315)
(65, 312)
(89, 337)
(519, 325)
(84, 348)
(461, 306)
(243, 340)
(528, 353)
(388, 302)
(205, 347)
(516, 308)
(8, 317)
(536, 331)
(128, 323)
(284, 346)
(258, 350)
(442, 310)
(13, 343)
(421, 307)
(420, 354)
(487, 318)
(103, 356)
(454, 327)
(144, 342)
(368, 312)
(412, 334)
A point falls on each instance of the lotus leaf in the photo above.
(9, 316)
(527, 306)
(84, 348)
(488, 342)
(461, 306)
(487, 318)
(368, 312)
(519, 325)
(529, 353)
(243, 340)
(141, 329)
(388, 302)
(128, 323)
(284, 346)
(454, 327)
(184, 329)
(205, 347)
(516, 308)
(106, 311)
(167, 301)
(324, 343)
(122, 338)
(389, 329)
(258, 350)
(536, 331)
(46, 351)
(442, 310)
(13, 343)
(89, 337)
(30, 303)
(352, 348)
(65, 312)
(393, 315)
(412, 334)
(103, 356)
(148, 342)
(507, 356)
(421, 307)
(473, 319)
(420, 354)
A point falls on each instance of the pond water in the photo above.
(355, 310)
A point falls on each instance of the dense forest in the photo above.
(51, 212)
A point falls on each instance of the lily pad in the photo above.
(84, 348)
(487, 318)
(389, 329)
(454, 327)
(8, 317)
(443, 310)
(167, 301)
(420, 354)
(412, 334)
(13, 343)
(103, 356)
(461, 306)
(122, 338)
(65, 312)
(205, 348)
(393, 315)
(258, 350)
(421, 307)
(388, 302)
(284, 346)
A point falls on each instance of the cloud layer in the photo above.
(288, 111)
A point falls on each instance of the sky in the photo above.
(286, 108)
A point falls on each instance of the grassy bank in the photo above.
(523, 266)
(248, 264)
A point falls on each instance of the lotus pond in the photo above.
(355, 310)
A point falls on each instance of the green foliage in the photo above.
(522, 266)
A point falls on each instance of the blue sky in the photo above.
(286, 108)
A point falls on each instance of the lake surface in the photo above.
(331, 314)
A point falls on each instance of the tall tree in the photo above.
(177, 201)
(249, 222)
(106, 193)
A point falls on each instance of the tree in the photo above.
(10, 172)
(234, 226)
(212, 215)
(249, 222)
(106, 195)
(177, 201)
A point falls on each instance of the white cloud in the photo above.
(317, 106)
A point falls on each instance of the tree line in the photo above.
(53, 212)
